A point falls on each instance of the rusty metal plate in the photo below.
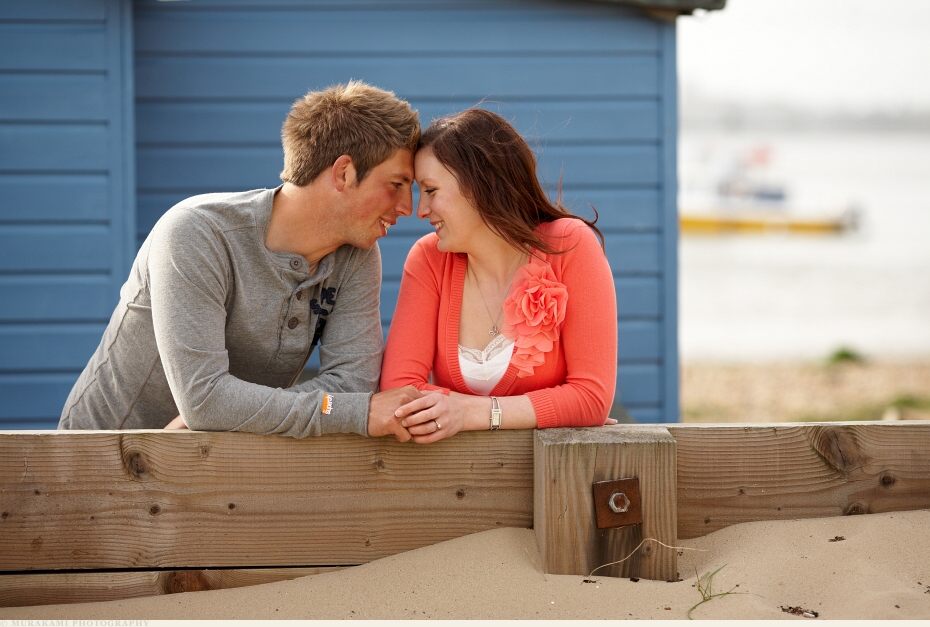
(617, 503)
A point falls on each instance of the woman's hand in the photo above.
(434, 416)
(177, 423)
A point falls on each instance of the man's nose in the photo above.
(405, 206)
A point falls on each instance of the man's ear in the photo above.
(342, 173)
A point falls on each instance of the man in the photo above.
(230, 293)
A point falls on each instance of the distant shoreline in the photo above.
(709, 115)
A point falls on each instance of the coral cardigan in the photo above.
(574, 386)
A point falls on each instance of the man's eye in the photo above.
(429, 190)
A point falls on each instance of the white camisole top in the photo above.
(483, 369)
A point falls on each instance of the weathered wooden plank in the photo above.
(53, 47)
(639, 384)
(30, 397)
(54, 10)
(238, 122)
(729, 474)
(53, 197)
(51, 347)
(38, 298)
(49, 248)
(153, 499)
(53, 96)
(567, 463)
(413, 78)
(144, 499)
(77, 146)
(424, 31)
(45, 588)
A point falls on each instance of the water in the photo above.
(772, 297)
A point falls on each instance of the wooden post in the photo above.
(567, 462)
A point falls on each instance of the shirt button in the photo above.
(295, 263)
(299, 294)
(293, 322)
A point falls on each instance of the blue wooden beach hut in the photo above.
(112, 111)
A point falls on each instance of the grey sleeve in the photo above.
(352, 342)
(189, 275)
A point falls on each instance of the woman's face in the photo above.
(454, 218)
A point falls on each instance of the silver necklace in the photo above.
(495, 329)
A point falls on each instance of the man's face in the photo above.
(383, 195)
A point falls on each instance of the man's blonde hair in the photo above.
(355, 119)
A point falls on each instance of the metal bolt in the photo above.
(619, 503)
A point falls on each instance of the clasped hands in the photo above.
(405, 413)
(408, 414)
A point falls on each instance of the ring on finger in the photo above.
(438, 426)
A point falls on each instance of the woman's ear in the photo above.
(342, 173)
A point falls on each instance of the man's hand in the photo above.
(381, 419)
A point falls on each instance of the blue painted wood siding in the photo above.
(591, 85)
(67, 207)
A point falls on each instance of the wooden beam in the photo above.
(151, 499)
(77, 587)
(154, 499)
(568, 462)
(729, 474)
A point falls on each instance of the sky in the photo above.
(849, 55)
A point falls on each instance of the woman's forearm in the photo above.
(516, 411)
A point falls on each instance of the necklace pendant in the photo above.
(493, 331)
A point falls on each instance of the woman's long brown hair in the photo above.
(496, 171)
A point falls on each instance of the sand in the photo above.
(805, 391)
(879, 569)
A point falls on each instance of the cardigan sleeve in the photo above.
(411, 343)
(588, 336)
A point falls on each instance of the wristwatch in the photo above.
(495, 414)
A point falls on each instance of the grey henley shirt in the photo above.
(214, 326)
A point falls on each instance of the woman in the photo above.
(507, 314)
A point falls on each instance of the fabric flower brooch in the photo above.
(533, 313)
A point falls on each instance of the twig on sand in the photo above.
(800, 611)
(631, 553)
